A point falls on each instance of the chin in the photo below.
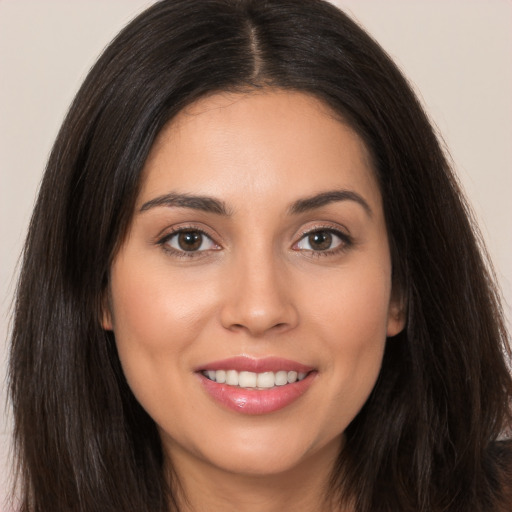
(269, 456)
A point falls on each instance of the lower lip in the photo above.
(255, 401)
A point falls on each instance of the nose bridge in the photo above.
(258, 298)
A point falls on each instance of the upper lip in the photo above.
(256, 365)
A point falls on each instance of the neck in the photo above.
(201, 486)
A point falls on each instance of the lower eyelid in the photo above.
(344, 239)
(165, 240)
(176, 235)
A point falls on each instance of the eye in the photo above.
(322, 240)
(188, 240)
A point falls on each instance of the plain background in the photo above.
(456, 52)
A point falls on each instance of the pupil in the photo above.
(190, 240)
(321, 240)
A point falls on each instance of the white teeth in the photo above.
(247, 380)
(232, 377)
(281, 378)
(291, 377)
(265, 380)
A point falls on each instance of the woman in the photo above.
(251, 282)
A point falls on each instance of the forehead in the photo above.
(272, 144)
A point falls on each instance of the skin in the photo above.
(259, 288)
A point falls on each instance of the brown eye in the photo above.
(322, 240)
(190, 240)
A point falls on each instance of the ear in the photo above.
(396, 316)
(106, 312)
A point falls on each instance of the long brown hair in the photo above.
(427, 438)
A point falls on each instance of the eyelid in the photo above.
(327, 226)
(342, 233)
(346, 239)
(169, 233)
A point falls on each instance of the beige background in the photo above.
(456, 52)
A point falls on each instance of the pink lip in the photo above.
(255, 401)
(248, 364)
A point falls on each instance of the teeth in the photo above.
(265, 380)
(281, 378)
(232, 377)
(247, 380)
(291, 377)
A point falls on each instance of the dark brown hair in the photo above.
(427, 438)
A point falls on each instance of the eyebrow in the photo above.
(212, 205)
(325, 198)
(203, 203)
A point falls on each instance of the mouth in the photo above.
(253, 380)
(256, 386)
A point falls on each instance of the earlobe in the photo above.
(396, 318)
(106, 314)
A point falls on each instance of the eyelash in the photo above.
(346, 241)
(163, 242)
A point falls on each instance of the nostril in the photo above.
(281, 326)
(258, 313)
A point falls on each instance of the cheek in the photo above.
(153, 301)
(156, 318)
(352, 304)
(350, 316)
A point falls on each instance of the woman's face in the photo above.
(257, 254)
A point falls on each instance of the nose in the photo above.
(258, 297)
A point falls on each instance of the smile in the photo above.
(256, 386)
(252, 380)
